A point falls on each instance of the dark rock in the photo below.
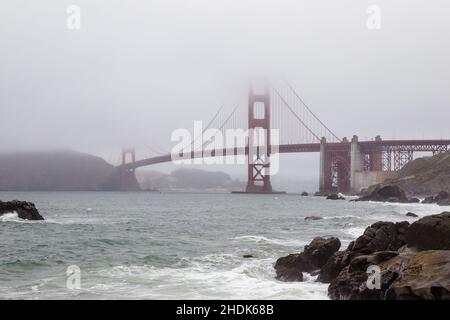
(411, 214)
(314, 256)
(320, 194)
(351, 283)
(387, 194)
(381, 236)
(430, 233)
(335, 196)
(305, 194)
(320, 250)
(313, 218)
(334, 265)
(442, 199)
(414, 200)
(25, 210)
(289, 268)
(247, 256)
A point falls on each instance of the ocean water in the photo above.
(173, 245)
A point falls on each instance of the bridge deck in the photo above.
(366, 146)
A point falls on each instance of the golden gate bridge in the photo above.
(345, 165)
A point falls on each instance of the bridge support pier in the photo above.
(356, 162)
(128, 181)
(323, 161)
(259, 143)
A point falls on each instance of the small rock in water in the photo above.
(305, 194)
(247, 256)
(335, 196)
(411, 214)
(313, 218)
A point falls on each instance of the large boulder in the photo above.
(314, 257)
(25, 210)
(290, 268)
(430, 233)
(387, 194)
(381, 236)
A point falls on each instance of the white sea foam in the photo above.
(249, 279)
(348, 216)
(355, 232)
(12, 216)
(262, 239)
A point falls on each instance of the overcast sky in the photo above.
(137, 70)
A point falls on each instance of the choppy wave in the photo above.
(249, 279)
(279, 242)
(167, 246)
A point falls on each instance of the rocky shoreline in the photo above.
(389, 261)
(25, 210)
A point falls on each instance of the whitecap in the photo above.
(262, 239)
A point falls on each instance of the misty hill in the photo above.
(425, 176)
(188, 180)
(53, 171)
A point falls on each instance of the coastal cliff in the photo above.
(423, 176)
(53, 171)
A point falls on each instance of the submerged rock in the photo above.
(313, 218)
(25, 210)
(305, 194)
(411, 214)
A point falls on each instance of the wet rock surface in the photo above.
(430, 233)
(335, 196)
(389, 261)
(411, 214)
(25, 210)
(387, 194)
(313, 257)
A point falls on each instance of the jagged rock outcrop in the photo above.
(25, 210)
(391, 261)
(314, 256)
(388, 193)
(381, 236)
